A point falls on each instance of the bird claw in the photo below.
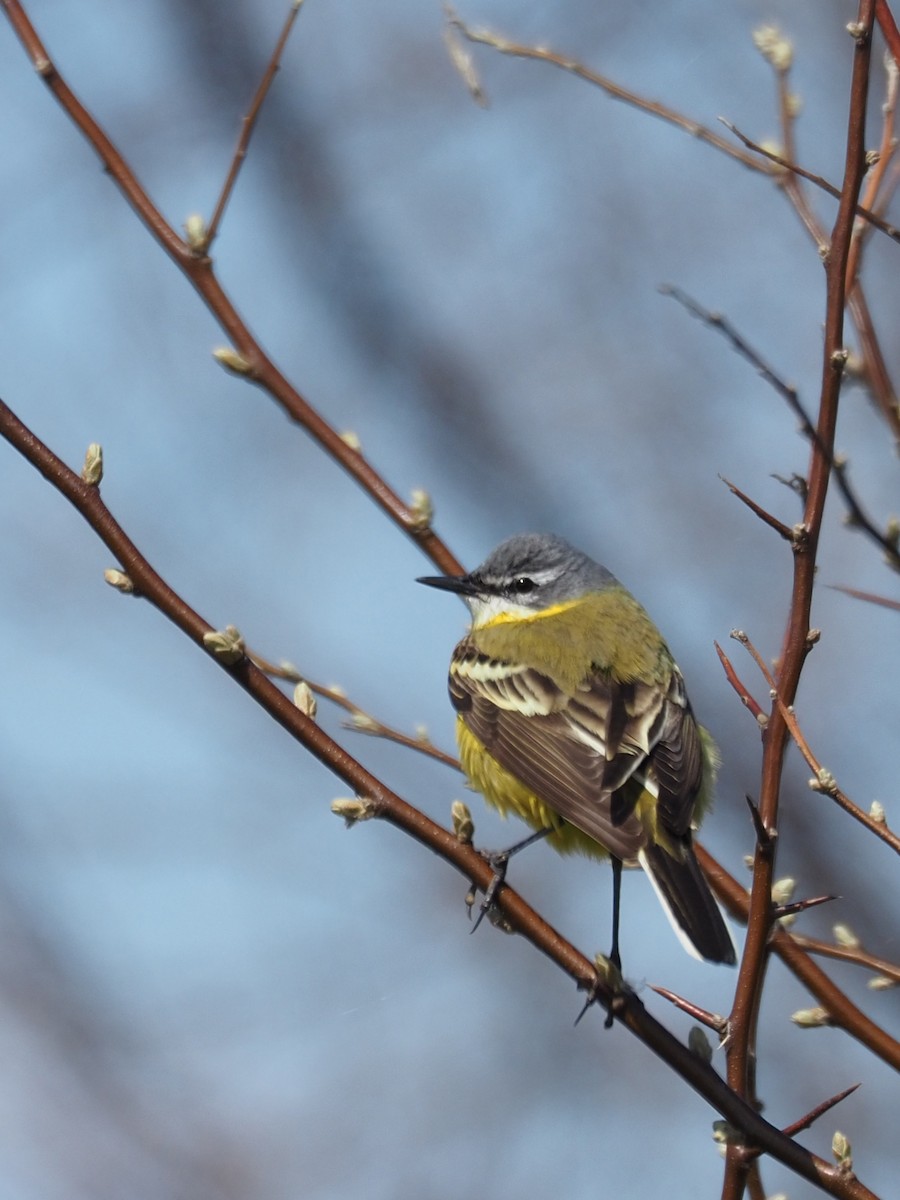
(498, 861)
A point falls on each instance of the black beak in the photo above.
(462, 585)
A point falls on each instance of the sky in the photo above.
(212, 989)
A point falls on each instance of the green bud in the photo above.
(463, 825)
(842, 1151)
(699, 1044)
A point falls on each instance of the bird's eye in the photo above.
(522, 585)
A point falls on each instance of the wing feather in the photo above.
(578, 752)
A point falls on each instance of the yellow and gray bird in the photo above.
(572, 714)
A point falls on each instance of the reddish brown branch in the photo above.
(248, 123)
(841, 1009)
(888, 27)
(868, 214)
(745, 1013)
(819, 1111)
(388, 806)
(732, 677)
(199, 271)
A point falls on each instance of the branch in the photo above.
(247, 357)
(745, 1012)
(380, 802)
(856, 515)
(485, 37)
(247, 125)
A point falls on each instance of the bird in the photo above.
(573, 715)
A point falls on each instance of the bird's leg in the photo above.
(614, 956)
(499, 861)
(617, 895)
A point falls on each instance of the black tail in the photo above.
(689, 904)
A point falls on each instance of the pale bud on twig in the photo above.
(229, 358)
(881, 983)
(353, 809)
(305, 700)
(775, 48)
(119, 580)
(364, 723)
(823, 781)
(726, 1135)
(876, 812)
(226, 645)
(351, 439)
(92, 471)
(783, 889)
(422, 509)
(811, 1018)
(196, 232)
(842, 1150)
(463, 825)
(844, 936)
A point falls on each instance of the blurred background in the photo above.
(209, 988)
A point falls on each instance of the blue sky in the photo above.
(213, 988)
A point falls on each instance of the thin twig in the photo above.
(486, 37)
(871, 597)
(744, 1017)
(868, 214)
(823, 780)
(819, 1111)
(198, 268)
(764, 515)
(851, 954)
(361, 721)
(746, 699)
(248, 123)
(888, 27)
(388, 806)
(857, 516)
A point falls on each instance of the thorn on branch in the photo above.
(718, 1024)
(813, 1115)
(765, 838)
(798, 906)
(773, 522)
